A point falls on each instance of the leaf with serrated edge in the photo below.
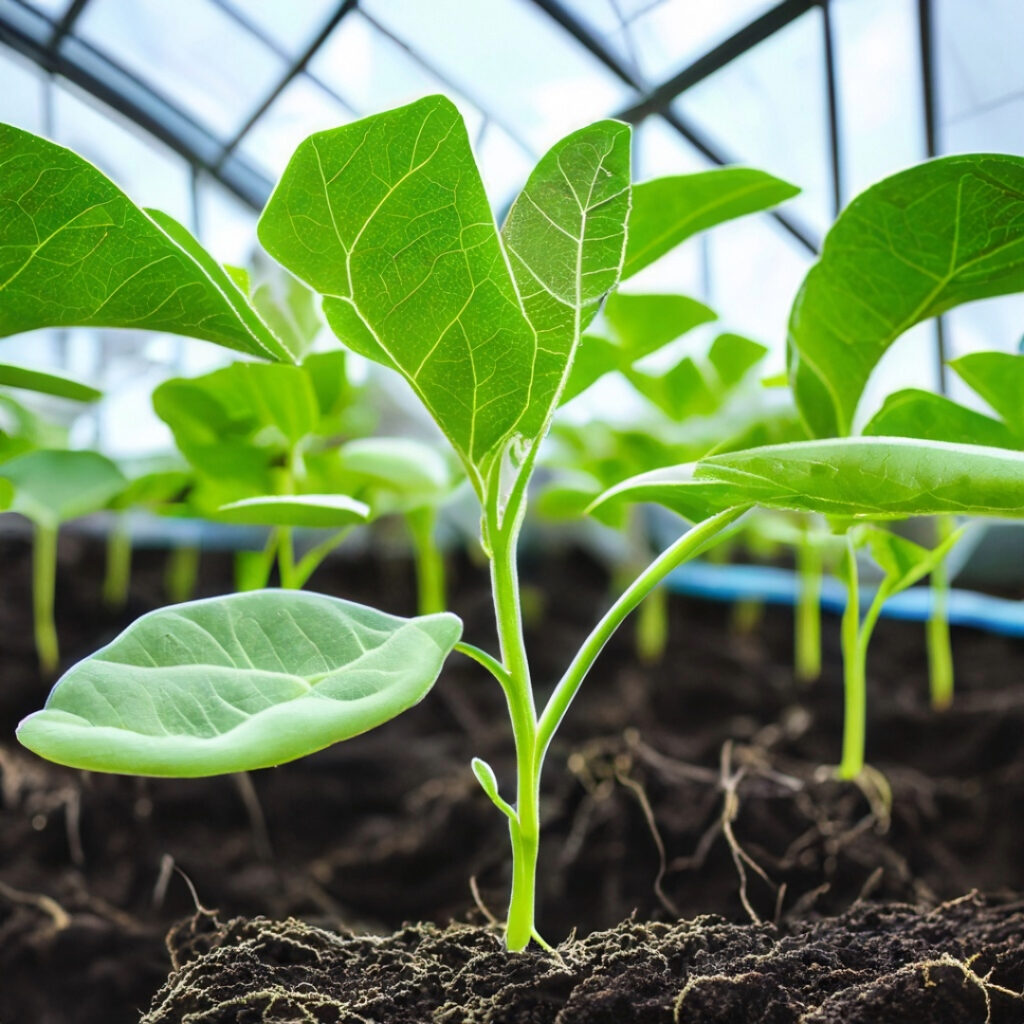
(238, 683)
(327, 511)
(921, 242)
(76, 252)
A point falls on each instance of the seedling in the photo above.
(49, 488)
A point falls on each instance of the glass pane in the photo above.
(21, 94)
(291, 25)
(372, 72)
(658, 149)
(756, 267)
(768, 108)
(227, 227)
(511, 60)
(911, 362)
(53, 9)
(150, 174)
(303, 108)
(193, 53)
(983, 326)
(881, 108)
(504, 166)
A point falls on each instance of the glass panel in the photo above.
(149, 173)
(291, 25)
(768, 108)
(372, 72)
(21, 94)
(978, 55)
(511, 60)
(658, 149)
(983, 326)
(53, 9)
(881, 109)
(911, 362)
(756, 269)
(303, 108)
(227, 227)
(504, 166)
(205, 62)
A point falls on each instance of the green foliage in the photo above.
(915, 413)
(46, 384)
(238, 683)
(57, 211)
(316, 511)
(51, 487)
(669, 210)
(999, 378)
(921, 242)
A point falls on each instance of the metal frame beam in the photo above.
(583, 35)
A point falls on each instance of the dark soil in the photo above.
(688, 789)
(871, 965)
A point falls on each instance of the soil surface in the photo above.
(690, 788)
(964, 961)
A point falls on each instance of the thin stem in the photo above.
(525, 830)
(430, 572)
(854, 673)
(807, 625)
(117, 575)
(940, 649)
(692, 543)
(310, 561)
(286, 558)
(488, 661)
(652, 627)
(182, 573)
(44, 585)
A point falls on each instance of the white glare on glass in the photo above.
(911, 362)
(504, 166)
(292, 24)
(372, 72)
(193, 53)
(878, 71)
(227, 227)
(767, 108)
(303, 108)
(512, 59)
(21, 95)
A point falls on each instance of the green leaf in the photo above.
(327, 511)
(489, 784)
(679, 392)
(921, 242)
(388, 219)
(667, 211)
(642, 324)
(46, 384)
(155, 488)
(595, 357)
(51, 487)
(999, 378)
(915, 413)
(733, 357)
(876, 477)
(904, 562)
(238, 683)
(6, 494)
(395, 474)
(76, 252)
(676, 488)
(565, 237)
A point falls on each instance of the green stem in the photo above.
(940, 650)
(430, 572)
(117, 576)
(44, 586)
(524, 830)
(807, 639)
(692, 543)
(286, 558)
(310, 561)
(182, 573)
(652, 627)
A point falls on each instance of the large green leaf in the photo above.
(876, 477)
(923, 241)
(667, 211)
(565, 236)
(75, 251)
(915, 413)
(46, 384)
(676, 488)
(51, 487)
(999, 378)
(388, 219)
(238, 683)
